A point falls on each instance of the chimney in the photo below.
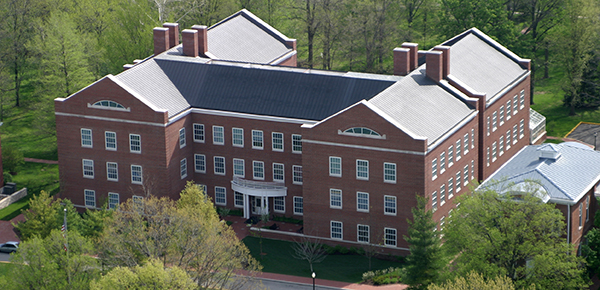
(173, 33)
(434, 61)
(190, 42)
(161, 40)
(202, 39)
(413, 58)
(291, 43)
(445, 59)
(401, 61)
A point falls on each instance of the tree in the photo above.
(12, 159)
(426, 261)
(309, 250)
(473, 280)
(177, 233)
(520, 238)
(152, 275)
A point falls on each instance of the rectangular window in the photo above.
(494, 151)
(515, 134)
(466, 144)
(501, 145)
(110, 139)
(219, 165)
(442, 194)
(450, 155)
(522, 102)
(218, 135)
(203, 188)
(296, 143)
(220, 195)
(466, 175)
(112, 172)
(472, 169)
(257, 139)
(362, 169)
(90, 198)
(587, 209)
(181, 137)
(434, 169)
(515, 104)
(522, 129)
(239, 169)
(442, 162)
(458, 147)
(494, 121)
(113, 200)
(501, 115)
(137, 200)
(434, 201)
(200, 163)
(362, 201)
(389, 205)
(88, 168)
(277, 141)
(136, 174)
(363, 233)
(279, 204)
(508, 109)
(335, 198)
(238, 199)
(336, 230)
(390, 237)
(508, 140)
(135, 143)
(472, 138)
(451, 188)
(278, 175)
(258, 170)
(488, 125)
(237, 137)
(458, 179)
(297, 174)
(86, 138)
(580, 213)
(199, 133)
(487, 157)
(183, 168)
(389, 172)
(298, 205)
(335, 166)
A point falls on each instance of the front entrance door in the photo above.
(256, 205)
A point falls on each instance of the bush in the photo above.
(7, 177)
(12, 159)
(382, 277)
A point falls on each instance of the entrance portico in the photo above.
(260, 191)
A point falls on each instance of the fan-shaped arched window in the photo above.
(107, 104)
(362, 131)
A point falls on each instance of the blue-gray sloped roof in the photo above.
(421, 106)
(482, 64)
(176, 85)
(565, 179)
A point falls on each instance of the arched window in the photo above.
(107, 103)
(361, 131)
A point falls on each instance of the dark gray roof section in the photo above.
(253, 89)
(482, 64)
(421, 106)
(244, 37)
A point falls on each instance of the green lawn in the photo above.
(4, 269)
(345, 268)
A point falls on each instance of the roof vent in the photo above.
(550, 151)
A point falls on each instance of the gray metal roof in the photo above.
(565, 179)
(482, 64)
(421, 106)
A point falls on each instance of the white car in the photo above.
(9, 247)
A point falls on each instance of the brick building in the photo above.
(346, 152)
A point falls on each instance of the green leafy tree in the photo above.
(12, 159)
(426, 260)
(473, 280)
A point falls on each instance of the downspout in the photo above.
(569, 223)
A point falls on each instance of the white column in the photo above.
(246, 206)
(266, 205)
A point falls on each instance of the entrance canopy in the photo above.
(260, 191)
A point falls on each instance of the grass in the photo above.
(5, 269)
(344, 268)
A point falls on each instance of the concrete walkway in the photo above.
(328, 283)
(34, 160)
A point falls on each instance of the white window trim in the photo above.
(106, 141)
(183, 170)
(273, 142)
(235, 195)
(141, 174)
(215, 165)
(341, 230)
(458, 150)
(293, 176)
(262, 140)
(116, 171)
(214, 130)
(358, 233)
(254, 171)
(83, 161)
(233, 139)
(330, 166)
(275, 204)
(198, 140)
(395, 205)
(385, 240)
(357, 171)
(196, 156)
(294, 205)
(131, 143)
(243, 167)
(85, 198)
(385, 180)
(358, 203)
(91, 145)
(182, 141)
(331, 194)
(293, 148)
(224, 195)
(110, 203)
(282, 172)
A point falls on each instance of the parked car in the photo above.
(9, 247)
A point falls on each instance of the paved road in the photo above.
(4, 257)
(283, 285)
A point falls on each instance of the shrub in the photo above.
(7, 177)
(382, 277)
(12, 159)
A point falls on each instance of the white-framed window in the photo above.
(494, 121)
(183, 168)
(487, 156)
(277, 141)
(501, 145)
(450, 156)
(521, 129)
(113, 200)
(279, 204)
(451, 187)
(458, 147)
(434, 164)
(90, 198)
(135, 143)
(515, 139)
(580, 214)
(110, 140)
(522, 101)
(587, 208)
(515, 104)
(434, 201)
(389, 172)
(501, 115)
(335, 198)
(257, 139)
(472, 169)
(362, 233)
(389, 205)
(218, 135)
(219, 165)
(458, 179)
(199, 133)
(442, 162)
(278, 172)
(335, 166)
(239, 168)
(220, 195)
(112, 171)
(137, 176)
(203, 188)
(442, 194)
(258, 170)
(466, 175)
(137, 200)
(237, 137)
(362, 201)
(362, 169)
(297, 174)
(466, 144)
(86, 138)
(296, 143)
(298, 205)
(494, 151)
(238, 199)
(488, 125)
(200, 163)
(508, 140)
(508, 110)
(472, 138)
(390, 237)
(88, 168)
(182, 138)
(336, 230)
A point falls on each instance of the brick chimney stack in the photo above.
(190, 42)
(173, 33)
(161, 40)
(202, 39)
(445, 59)
(401, 61)
(434, 61)
(413, 54)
